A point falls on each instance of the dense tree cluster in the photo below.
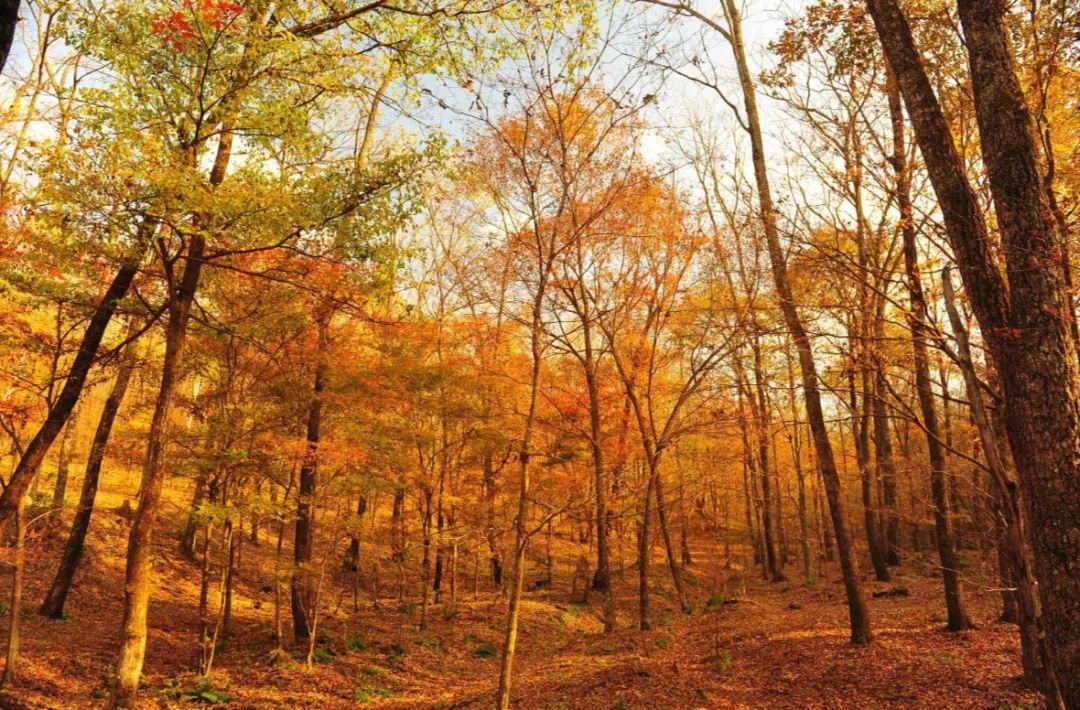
(830, 321)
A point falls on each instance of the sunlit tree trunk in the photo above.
(138, 573)
(858, 614)
(15, 600)
(302, 598)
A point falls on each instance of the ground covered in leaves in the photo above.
(748, 644)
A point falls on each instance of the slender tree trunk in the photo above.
(352, 557)
(602, 579)
(187, 538)
(795, 441)
(490, 530)
(138, 573)
(300, 589)
(883, 453)
(665, 531)
(425, 560)
(53, 606)
(63, 464)
(521, 533)
(857, 610)
(860, 424)
(15, 610)
(644, 620)
(957, 616)
(760, 407)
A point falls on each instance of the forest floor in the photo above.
(747, 645)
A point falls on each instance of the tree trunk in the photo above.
(858, 616)
(602, 579)
(521, 533)
(1015, 565)
(300, 588)
(352, 557)
(138, 573)
(860, 424)
(15, 610)
(883, 453)
(1038, 366)
(665, 531)
(53, 606)
(60, 410)
(644, 620)
(1023, 324)
(9, 18)
(760, 408)
(957, 616)
(490, 530)
(63, 465)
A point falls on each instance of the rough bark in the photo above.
(1037, 364)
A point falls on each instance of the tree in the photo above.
(751, 122)
(1021, 319)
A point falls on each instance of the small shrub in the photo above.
(371, 694)
(204, 692)
(720, 662)
(393, 652)
(322, 655)
(716, 600)
(663, 642)
(486, 650)
(605, 650)
(356, 642)
(432, 642)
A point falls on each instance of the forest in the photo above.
(539, 354)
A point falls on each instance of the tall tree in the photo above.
(1024, 319)
(731, 31)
